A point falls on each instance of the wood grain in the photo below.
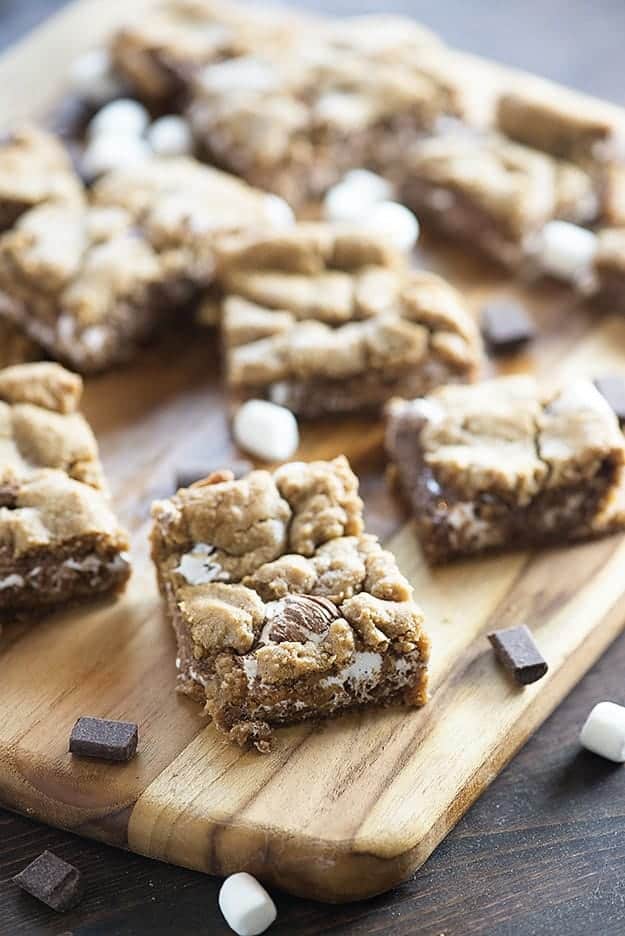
(349, 808)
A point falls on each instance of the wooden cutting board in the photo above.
(341, 810)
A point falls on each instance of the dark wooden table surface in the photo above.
(542, 853)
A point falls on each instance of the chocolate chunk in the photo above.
(52, 880)
(506, 326)
(612, 387)
(301, 617)
(516, 651)
(99, 737)
(196, 471)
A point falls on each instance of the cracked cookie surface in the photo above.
(284, 609)
(91, 281)
(326, 319)
(59, 539)
(495, 193)
(506, 464)
(34, 169)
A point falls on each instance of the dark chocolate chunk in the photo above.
(52, 880)
(99, 737)
(196, 471)
(516, 651)
(612, 387)
(506, 326)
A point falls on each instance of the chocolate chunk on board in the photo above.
(99, 737)
(612, 387)
(506, 327)
(517, 652)
(52, 880)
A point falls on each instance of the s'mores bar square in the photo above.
(503, 464)
(34, 169)
(563, 122)
(90, 281)
(294, 124)
(60, 542)
(159, 55)
(325, 319)
(495, 194)
(283, 608)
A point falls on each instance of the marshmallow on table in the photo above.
(91, 76)
(372, 187)
(124, 117)
(266, 430)
(108, 152)
(352, 197)
(170, 136)
(247, 907)
(395, 222)
(566, 250)
(278, 212)
(604, 731)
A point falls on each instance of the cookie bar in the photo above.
(34, 168)
(565, 123)
(494, 194)
(324, 319)
(90, 282)
(59, 540)
(183, 206)
(295, 124)
(503, 464)
(283, 608)
(158, 56)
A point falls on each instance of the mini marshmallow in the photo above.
(372, 187)
(244, 74)
(352, 197)
(92, 77)
(247, 907)
(278, 212)
(266, 430)
(342, 203)
(105, 153)
(566, 250)
(604, 731)
(124, 117)
(395, 222)
(170, 136)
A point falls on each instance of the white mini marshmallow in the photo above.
(266, 430)
(395, 222)
(372, 187)
(352, 198)
(343, 109)
(91, 76)
(124, 117)
(170, 136)
(105, 153)
(343, 203)
(247, 907)
(244, 74)
(566, 250)
(278, 212)
(604, 731)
